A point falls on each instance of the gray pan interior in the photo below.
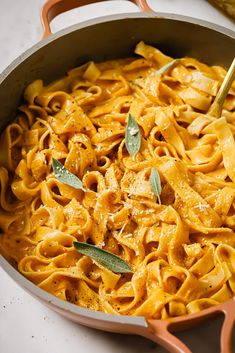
(106, 38)
(112, 37)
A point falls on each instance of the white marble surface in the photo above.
(25, 324)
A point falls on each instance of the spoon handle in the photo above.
(216, 108)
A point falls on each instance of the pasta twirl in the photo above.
(176, 231)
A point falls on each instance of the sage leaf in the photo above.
(132, 137)
(166, 67)
(112, 262)
(155, 183)
(65, 176)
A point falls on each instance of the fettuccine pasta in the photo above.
(181, 246)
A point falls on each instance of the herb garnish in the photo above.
(65, 176)
(112, 262)
(155, 182)
(132, 137)
(166, 67)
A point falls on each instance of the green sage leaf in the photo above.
(112, 262)
(166, 67)
(65, 176)
(132, 137)
(155, 182)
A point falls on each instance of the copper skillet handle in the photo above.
(52, 8)
(159, 331)
(228, 326)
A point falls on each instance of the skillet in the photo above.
(102, 39)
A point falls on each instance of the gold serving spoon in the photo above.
(216, 107)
